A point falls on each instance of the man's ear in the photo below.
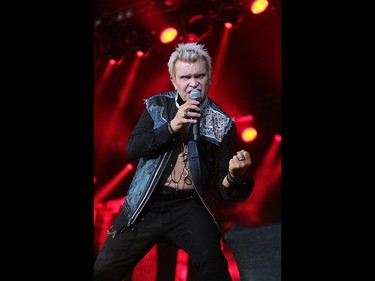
(171, 78)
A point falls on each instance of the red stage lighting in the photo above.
(277, 137)
(230, 14)
(139, 54)
(197, 27)
(112, 61)
(141, 43)
(228, 25)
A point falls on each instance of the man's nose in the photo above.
(194, 82)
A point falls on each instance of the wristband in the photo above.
(234, 181)
(170, 128)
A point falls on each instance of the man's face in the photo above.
(189, 76)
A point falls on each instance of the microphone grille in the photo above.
(195, 94)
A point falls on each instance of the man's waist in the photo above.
(169, 193)
(171, 190)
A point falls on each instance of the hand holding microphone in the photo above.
(188, 113)
(196, 95)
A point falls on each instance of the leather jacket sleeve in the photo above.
(226, 151)
(147, 141)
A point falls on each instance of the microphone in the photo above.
(196, 95)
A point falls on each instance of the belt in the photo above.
(168, 193)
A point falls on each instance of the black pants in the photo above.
(183, 222)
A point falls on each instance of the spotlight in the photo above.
(258, 6)
(197, 27)
(167, 28)
(115, 49)
(277, 137)
(168, 35)
(141, 42)
(230, 14)
(249, 134)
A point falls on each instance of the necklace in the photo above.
(182, 160)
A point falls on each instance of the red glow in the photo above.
(112, 62)
(169, 3)
(228, 25)
(168, 34)
(245, 118)
(249, 134)
(182, 264)
(112, 125)
(103, 79)
(191, 37)
(101, 194)
(277, 137)
(147, 269)
(258, 6)
(140, 54)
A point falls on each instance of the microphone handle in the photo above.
(195, 95)
(196, 129)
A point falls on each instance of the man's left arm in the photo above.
(233, 180)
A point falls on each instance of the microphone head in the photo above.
(195, 94)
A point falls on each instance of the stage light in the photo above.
(230, 14)
(115, 49)
(277, 137)
(140, 54)
(168, 35)
(197, 27)
(228, 25)
(249, 134)
(245, 129)
(117, 32)
(258, 6)
(141, 42)
(112, 61)
(168, 27)
(111, 34)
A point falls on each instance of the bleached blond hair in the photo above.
(189, 52)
